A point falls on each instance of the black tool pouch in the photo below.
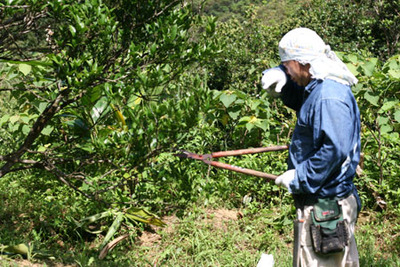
(329, 232)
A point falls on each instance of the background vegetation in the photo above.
(98, 96)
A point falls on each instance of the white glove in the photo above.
(286, 178)
(273, 80)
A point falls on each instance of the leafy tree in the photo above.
(99, 89)
(379, 102)
(354, 25)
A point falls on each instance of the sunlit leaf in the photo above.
(113, 229)
(25, 68)
(98, 109)
(383, 120)
(386, 128)
(14, 119)
(142, 215)
(397, 115)
(249, 126)
(371, 98)
(4, 119)
(72, 30)
(96, 217)
(47, 130)
(352, 68)
(227, 99)
(369, 66)
(388, 105)
(21, 249)
(394, 73)
(25, 129)
(253, 119)
(234, 114)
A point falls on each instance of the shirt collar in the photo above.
(312, 85)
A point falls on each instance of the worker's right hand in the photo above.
(286, 178)
(273, 80)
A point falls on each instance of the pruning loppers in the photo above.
(207, 159)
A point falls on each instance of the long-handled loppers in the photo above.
(207, 158)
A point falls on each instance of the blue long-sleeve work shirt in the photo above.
(325, 146)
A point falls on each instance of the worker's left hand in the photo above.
(273, 80)
(286, 178)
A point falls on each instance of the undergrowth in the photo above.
(200, 235)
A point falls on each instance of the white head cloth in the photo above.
(305, 46)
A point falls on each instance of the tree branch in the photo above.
(61, 177)
(35, 131)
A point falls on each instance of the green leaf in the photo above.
(174, 30)
(352, 58)
(72, 30)
(41, 149)
(369, 66)
(245, 119)
(153, 49)
(216, 94)
(383, 120)
(88, 147)
(96, 217)
(21, 249)
(25, 129)
(394, 74)
(25, 119)
(4, 119)
(99, 108)
(263, 124)
(386, 129)
(25, 68)
(41, 106)
(227, 99)
(371, 98)
(397, 115)
(141, 215)
(14, 119)
(352, 68)
(388, 105)
(113, 229)
(47, 130)
(356, 88)
(249, 126)
(234, 114)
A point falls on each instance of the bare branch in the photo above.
(15, 6)
(61, 176)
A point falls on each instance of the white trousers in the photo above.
(347, 258)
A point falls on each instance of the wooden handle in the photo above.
(241, 170)
(248, 151)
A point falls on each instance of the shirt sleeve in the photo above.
(333, 129)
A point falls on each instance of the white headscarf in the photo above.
(305, 46)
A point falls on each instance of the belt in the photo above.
(300, 201)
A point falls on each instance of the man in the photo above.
(324, 150)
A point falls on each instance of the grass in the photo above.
(222, 237)
(213, 238)
(197, 236)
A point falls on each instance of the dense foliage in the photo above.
(99, 95)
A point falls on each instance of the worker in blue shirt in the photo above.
(324, 150)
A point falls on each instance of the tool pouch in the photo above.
(329, 232)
